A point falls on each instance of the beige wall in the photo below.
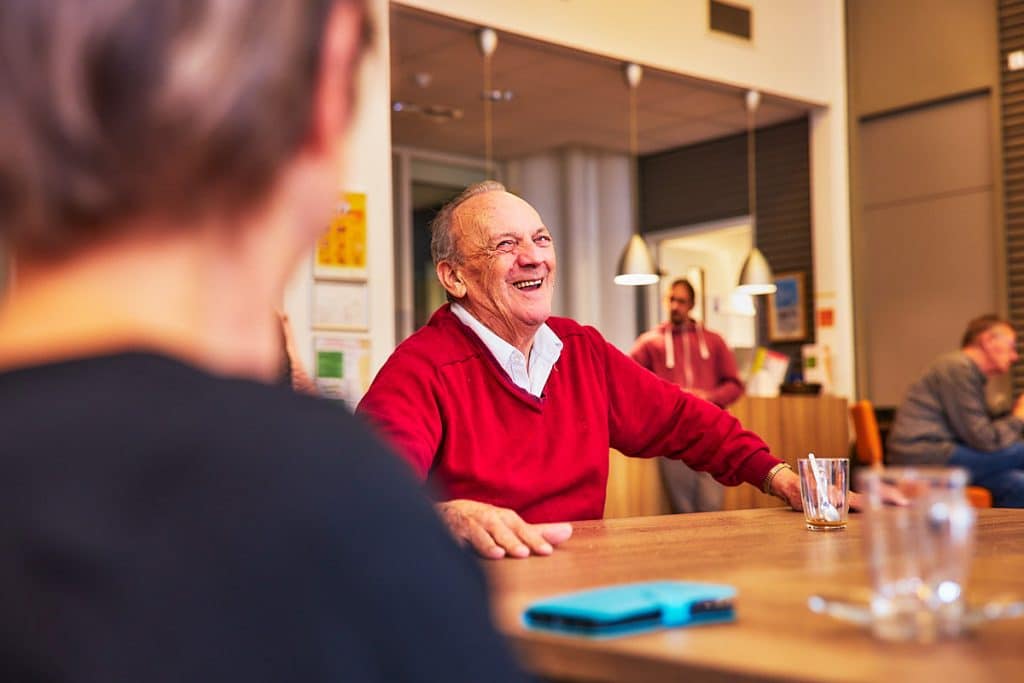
(924, 181)
(927, 219)
(911, 51)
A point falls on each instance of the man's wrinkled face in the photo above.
(680, 303)
(508, 264)
(1000, 345)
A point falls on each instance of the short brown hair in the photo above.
(979, 326)
(113, 110)
(683, 282)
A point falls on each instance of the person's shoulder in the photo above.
(952, 362)
(443, 339)
(304, 458)
(265, 420)
(655, 335)
(581, 340)
(219, 434)
(715, 337)
(567, 328)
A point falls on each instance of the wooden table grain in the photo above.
(775, 563)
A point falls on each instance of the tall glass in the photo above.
(919, 555)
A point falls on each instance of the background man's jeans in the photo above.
(1001, 472)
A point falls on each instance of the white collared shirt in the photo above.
(547, 348)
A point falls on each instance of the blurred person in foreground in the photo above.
(945, 419)
(699, 361)
(509, 412)
(169, 514)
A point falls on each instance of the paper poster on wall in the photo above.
(341, 306)
(341, 366)
(341, 250)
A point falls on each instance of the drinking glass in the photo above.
(825, 493)
(918, 555)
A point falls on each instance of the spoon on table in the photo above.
(825, 506)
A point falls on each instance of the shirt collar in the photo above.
(547, 348)
(545, 342)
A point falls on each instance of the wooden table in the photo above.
(776, 564)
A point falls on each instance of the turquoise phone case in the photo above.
(633, 607)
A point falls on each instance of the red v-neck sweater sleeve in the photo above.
(447, 406)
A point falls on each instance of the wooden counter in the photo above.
(791, 425)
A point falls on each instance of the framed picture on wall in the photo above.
(341, 306)
(341, 251)
(787, 308)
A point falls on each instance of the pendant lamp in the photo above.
(636, 266)
(487, 43)
(756, 276)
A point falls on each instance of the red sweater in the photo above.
(448, 407)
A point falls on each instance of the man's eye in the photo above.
(543, 239)
(505, 245)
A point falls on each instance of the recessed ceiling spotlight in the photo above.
(497, 95)
(423, 79)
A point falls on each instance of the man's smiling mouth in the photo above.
(528, 284)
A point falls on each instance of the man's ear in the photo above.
(451, 279)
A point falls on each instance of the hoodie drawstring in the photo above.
(670, 355)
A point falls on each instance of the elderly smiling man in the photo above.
(509, 412)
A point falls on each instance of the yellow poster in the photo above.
(341, 251)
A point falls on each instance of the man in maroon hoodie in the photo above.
(680, 350)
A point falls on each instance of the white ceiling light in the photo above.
(756, 276)
(636, 266)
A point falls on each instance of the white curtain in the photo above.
(585, 198)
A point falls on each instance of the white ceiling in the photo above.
(561, 96)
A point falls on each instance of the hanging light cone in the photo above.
(636, 267)
(756, 276)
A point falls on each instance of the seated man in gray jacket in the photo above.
(945, 420)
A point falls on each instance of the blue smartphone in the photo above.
(633, 607)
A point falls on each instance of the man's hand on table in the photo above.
(495, 532)
(786, 485)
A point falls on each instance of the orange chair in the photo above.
(869, 448)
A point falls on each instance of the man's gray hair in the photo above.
(443, 245)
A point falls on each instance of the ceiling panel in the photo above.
(560, 96)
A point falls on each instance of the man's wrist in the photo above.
(766, 483)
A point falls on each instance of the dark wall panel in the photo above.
(708, 181)
(1011, 37)
(694, 184)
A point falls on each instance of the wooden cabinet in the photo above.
(791, 425)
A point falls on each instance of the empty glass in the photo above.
(919, 555)
(824, 491)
